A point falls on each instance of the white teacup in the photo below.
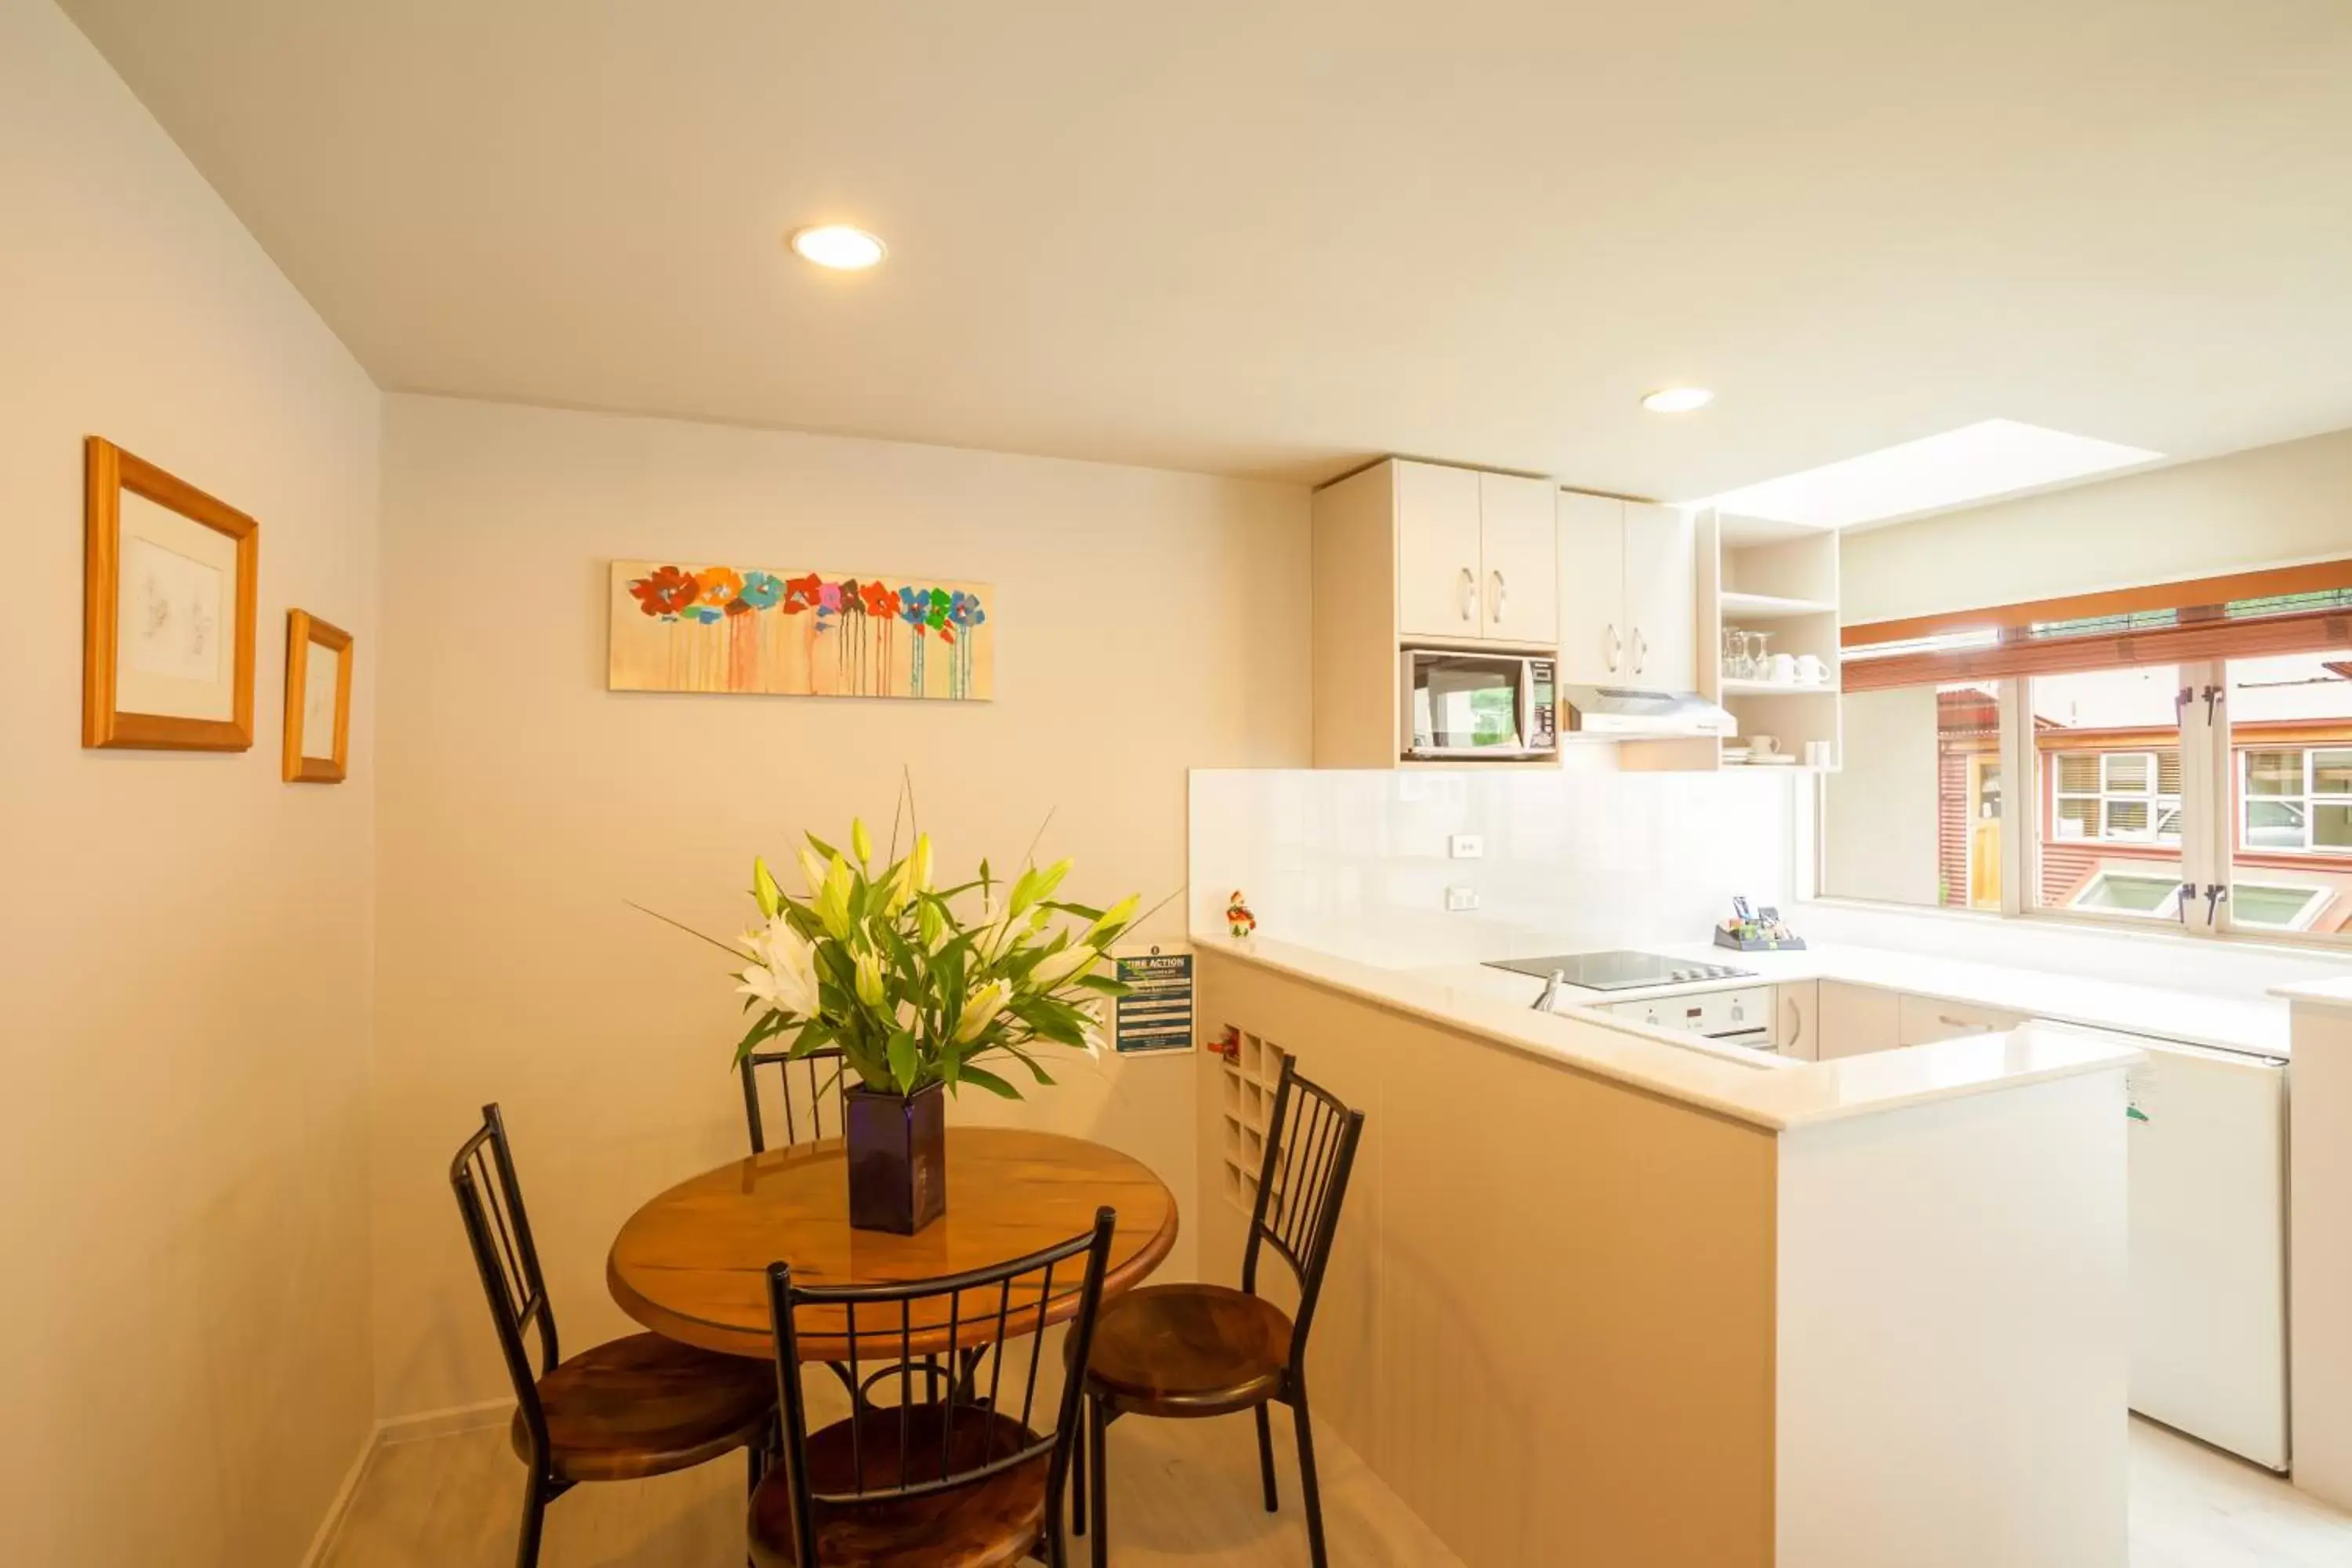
(1784, 669)
(1811, 670)
(1763, 745)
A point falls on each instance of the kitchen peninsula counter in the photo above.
(1604, 1295)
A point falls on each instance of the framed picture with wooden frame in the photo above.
(168, 577)
(318, 700)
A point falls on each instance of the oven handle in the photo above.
(1757, 1039)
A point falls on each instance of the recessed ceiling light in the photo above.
(838, 245)
(1957, 467)
(1677, 399)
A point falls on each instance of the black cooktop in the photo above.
(1620, 969)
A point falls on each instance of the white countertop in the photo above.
(2333, 995)
(2255, 1025)
(1767, 1092)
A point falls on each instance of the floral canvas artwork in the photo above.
(799, 633)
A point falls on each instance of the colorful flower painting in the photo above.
(798, 633)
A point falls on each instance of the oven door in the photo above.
(1468, 704)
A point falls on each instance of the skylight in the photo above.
(1974, 463)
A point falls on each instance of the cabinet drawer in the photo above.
(1923, 1020)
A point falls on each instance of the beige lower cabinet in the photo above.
(1858, 1019)
(1924, 1020)
(1796, 1020)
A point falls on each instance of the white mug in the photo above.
(1811, 670)
(1762, 745)
(1817, 754)
(1784, 669)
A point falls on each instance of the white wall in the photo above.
(1357, 862)
(1146, 621)
(1880, 818)
(2271, 506)
(186, 969)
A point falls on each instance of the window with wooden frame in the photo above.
(2185, 753)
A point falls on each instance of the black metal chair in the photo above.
(946, 1473)
(824, 1073)
(643, 1405)
(1188, 1350)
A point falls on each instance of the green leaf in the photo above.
(989, 1081)
(821, 846)
(1086, 912)
(903, 1066)
(1104, 984)
(1025, 1059)
(770, 1025)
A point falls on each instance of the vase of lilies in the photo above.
(924, 990)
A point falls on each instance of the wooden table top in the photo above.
(692, 1263)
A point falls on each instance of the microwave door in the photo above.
(1468, 704)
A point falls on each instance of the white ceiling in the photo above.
(1272, 239)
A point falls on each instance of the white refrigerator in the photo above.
(2208, 1218)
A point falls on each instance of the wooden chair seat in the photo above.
(991, 1524)
(646, 1406)
(1189, 1350)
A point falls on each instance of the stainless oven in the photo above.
(1491, 705)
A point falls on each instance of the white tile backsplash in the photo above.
(1356, 863)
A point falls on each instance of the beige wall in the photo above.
(2272, 506)
(185, 973)
(1149, 622)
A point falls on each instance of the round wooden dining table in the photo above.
(692, 1263)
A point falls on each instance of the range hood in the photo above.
(1619, 713)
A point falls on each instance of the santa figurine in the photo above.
(1238, 918)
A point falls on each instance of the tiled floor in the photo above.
(1183, 1492)
(1186, 1492)
(2194, 1507)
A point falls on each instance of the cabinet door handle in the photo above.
(1973, 1024)
(1640, 650)
(1469, 594)
(1502, 597)
(1796, 1023)
(1616, 646)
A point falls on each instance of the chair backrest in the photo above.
(1310, 1147)
(953, 1335)
(823, 1082)
(490, 1200)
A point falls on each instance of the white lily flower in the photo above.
(1061, 966)
(1119, 914)
(814, 868)
(784, 977)
(980, 1010)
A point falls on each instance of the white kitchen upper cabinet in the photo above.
(1591, 604)
(1438, 588)
(1519, 537)
(1855, 1020)
(1661, 598)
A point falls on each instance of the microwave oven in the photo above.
(1491, 705)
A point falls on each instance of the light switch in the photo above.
(1465, 846)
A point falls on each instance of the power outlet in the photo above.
(1458, 899)
(1465, 846)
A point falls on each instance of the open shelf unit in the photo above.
(1779, 579)
(1743, 607)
